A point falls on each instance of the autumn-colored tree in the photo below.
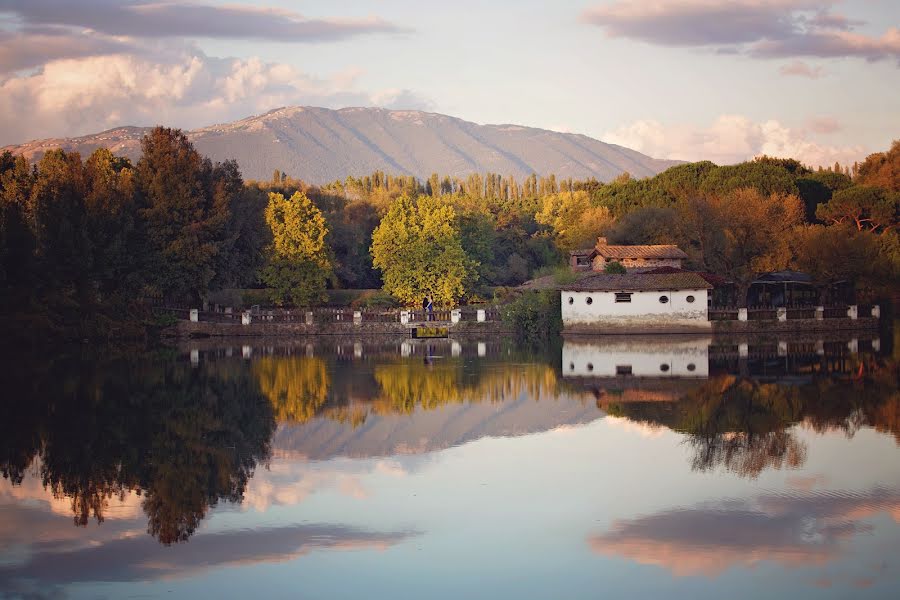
(417, 247)
(298, 263)
(740, 234)
(882, 169)
(842, 253)
(575, 221)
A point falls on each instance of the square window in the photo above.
(623, 369)
(623, 296)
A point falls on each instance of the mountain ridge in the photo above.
(320, 145)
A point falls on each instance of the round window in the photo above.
(692, 367)
(664, 367)
(571, 366)
(571, 300)
(590, 366)
(589, 300)
(663, 299)
(690, 298)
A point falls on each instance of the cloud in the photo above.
(178, 87)
(154, 19)
(794, 530)
(756, 28)
(21, 50)
(798, 68)
(730, 139)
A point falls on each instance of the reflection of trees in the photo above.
(297, 386)
(405, 385)
(183, 438)
(746, 426)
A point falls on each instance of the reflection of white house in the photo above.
(635, 302)
(637, 357)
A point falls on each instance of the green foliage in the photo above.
(864, 207)
(297, 264)
(417, 247)
(614, 267)
(534, 316)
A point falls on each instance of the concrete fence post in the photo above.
(876, 312)
(195, 315)
(455, 315)
(742, 314)
(853, 312)
(481, 315)
(781, 313)
(404, 317)
(246, 317)
(357, 317)
(820, 313)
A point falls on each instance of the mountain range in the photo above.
(320, 145)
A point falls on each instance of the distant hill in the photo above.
(320, 145)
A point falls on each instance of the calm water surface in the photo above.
(616, 468)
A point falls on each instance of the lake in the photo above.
(620, 467)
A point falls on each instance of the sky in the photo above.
(719, 80)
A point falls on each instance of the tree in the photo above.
(184, 218)
(740, 234)
(842, 253)
(417, 247)
(575, 221)
(882, 169)
(298, 264)
(863, 206)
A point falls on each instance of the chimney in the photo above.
(601, 241)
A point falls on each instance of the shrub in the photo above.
(535, 316)
(614, 268)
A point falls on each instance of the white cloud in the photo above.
(180, 87)
(730, 139)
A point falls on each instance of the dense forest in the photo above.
(85, 242)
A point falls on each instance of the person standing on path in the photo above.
(430, 308)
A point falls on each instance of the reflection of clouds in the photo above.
(807, 482)
(141, 558)
(791, 529)
(32, 490)
(646, 430)
(291, 481)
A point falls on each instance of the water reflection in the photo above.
(180, 438)
(309, 448)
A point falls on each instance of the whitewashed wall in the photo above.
(647, 358)
(644, 309)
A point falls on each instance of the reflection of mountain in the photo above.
(804, 528)
(430, 429)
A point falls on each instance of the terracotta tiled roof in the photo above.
(638, 282)
(582, 252)
(622, 252)
(712, 278)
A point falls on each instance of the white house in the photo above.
(636, 302)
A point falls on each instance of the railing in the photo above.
(329, 315)
(792, 313)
